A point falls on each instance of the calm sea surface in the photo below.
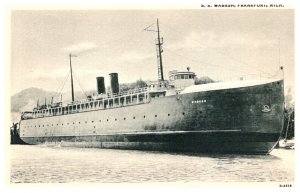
(60, 164)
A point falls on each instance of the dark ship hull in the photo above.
(231, 120)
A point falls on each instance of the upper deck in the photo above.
(101, 101)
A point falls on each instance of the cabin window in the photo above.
(190, 76)
(186, 76)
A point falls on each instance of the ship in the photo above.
(175, 115)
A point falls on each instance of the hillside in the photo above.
(27, 99)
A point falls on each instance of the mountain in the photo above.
(28, 98)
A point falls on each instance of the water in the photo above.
(35, 164)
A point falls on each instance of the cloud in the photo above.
(134, 56)
(209, 39)
(80, 48)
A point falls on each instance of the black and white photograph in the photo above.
(146, 95)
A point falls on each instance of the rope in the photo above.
(63, 85)
(83, 90)
(60, 85)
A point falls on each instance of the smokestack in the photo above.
(114, 82)
(100, 85)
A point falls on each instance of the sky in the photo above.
(219, 43)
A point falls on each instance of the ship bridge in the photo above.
(181, 80)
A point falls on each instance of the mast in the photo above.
(159, 43)
(72, 89)
(159, 50)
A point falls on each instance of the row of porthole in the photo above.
(199, 101)
(93, 121)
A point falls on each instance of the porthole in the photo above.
(168, 115)
(155, 115)
(39, 126)
(73, 123)
(116, 119)
(144, 117)
(107, 120)
(92, 121)
(183, 113)
(62, 124)
(79, 122)
(57, 124)
(99, 120)
(133, 117)
(85, 121)
(124, 118)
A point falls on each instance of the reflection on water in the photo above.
(55, 164)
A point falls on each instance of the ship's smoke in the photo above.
(80, 48)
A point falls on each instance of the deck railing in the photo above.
(122, 99)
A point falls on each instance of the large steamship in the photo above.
(166, 115)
